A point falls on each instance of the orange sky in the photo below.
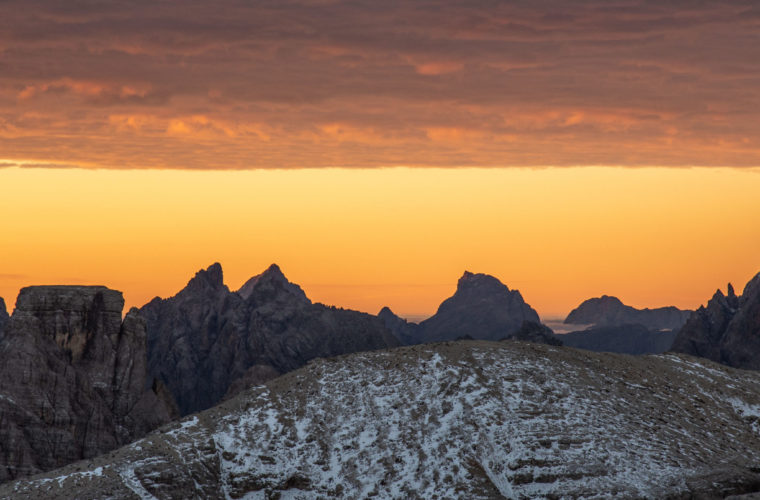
(365, 238)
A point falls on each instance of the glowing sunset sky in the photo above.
(643, 118)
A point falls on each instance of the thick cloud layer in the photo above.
(309, 83)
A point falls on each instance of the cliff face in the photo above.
(610, 311)
(207, 342)
(72, 379)
(727, 330)
(482, 308)
(476, 420)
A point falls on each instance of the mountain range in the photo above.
(77, 380)
(207, 341)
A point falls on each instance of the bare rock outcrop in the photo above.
(610, 311)
(208, 342)
(476, 420)
(727, 330)
(72, 379)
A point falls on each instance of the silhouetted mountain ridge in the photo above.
(727, 330)
(610, 311)
(206, 342)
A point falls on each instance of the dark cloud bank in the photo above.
(313, 83)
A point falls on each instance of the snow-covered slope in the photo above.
(451, 420)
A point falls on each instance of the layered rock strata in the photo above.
(72, 379)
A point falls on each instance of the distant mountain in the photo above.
(481, 308)
(207, 342)
(727, 330)
(610, 311)
(72, 379)
(475, 420)
(626, 339)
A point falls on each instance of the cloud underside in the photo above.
(365, 83)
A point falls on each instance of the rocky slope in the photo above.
(454, 420)
(207, 342)
(626, 339)
(727, 330)
(610, 311)
(72, 379)
(481, 308)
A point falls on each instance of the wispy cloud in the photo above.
(309, 83)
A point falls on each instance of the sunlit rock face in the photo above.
(208, 342)
(72, 379)
(472, 419)
(727, 330)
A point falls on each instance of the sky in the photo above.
(376, 150)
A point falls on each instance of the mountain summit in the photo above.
(482, 308)
(270, 284)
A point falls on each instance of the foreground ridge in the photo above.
(475, 419)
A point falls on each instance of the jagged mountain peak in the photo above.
(727, 330)
(211, 278)
(269, 284)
